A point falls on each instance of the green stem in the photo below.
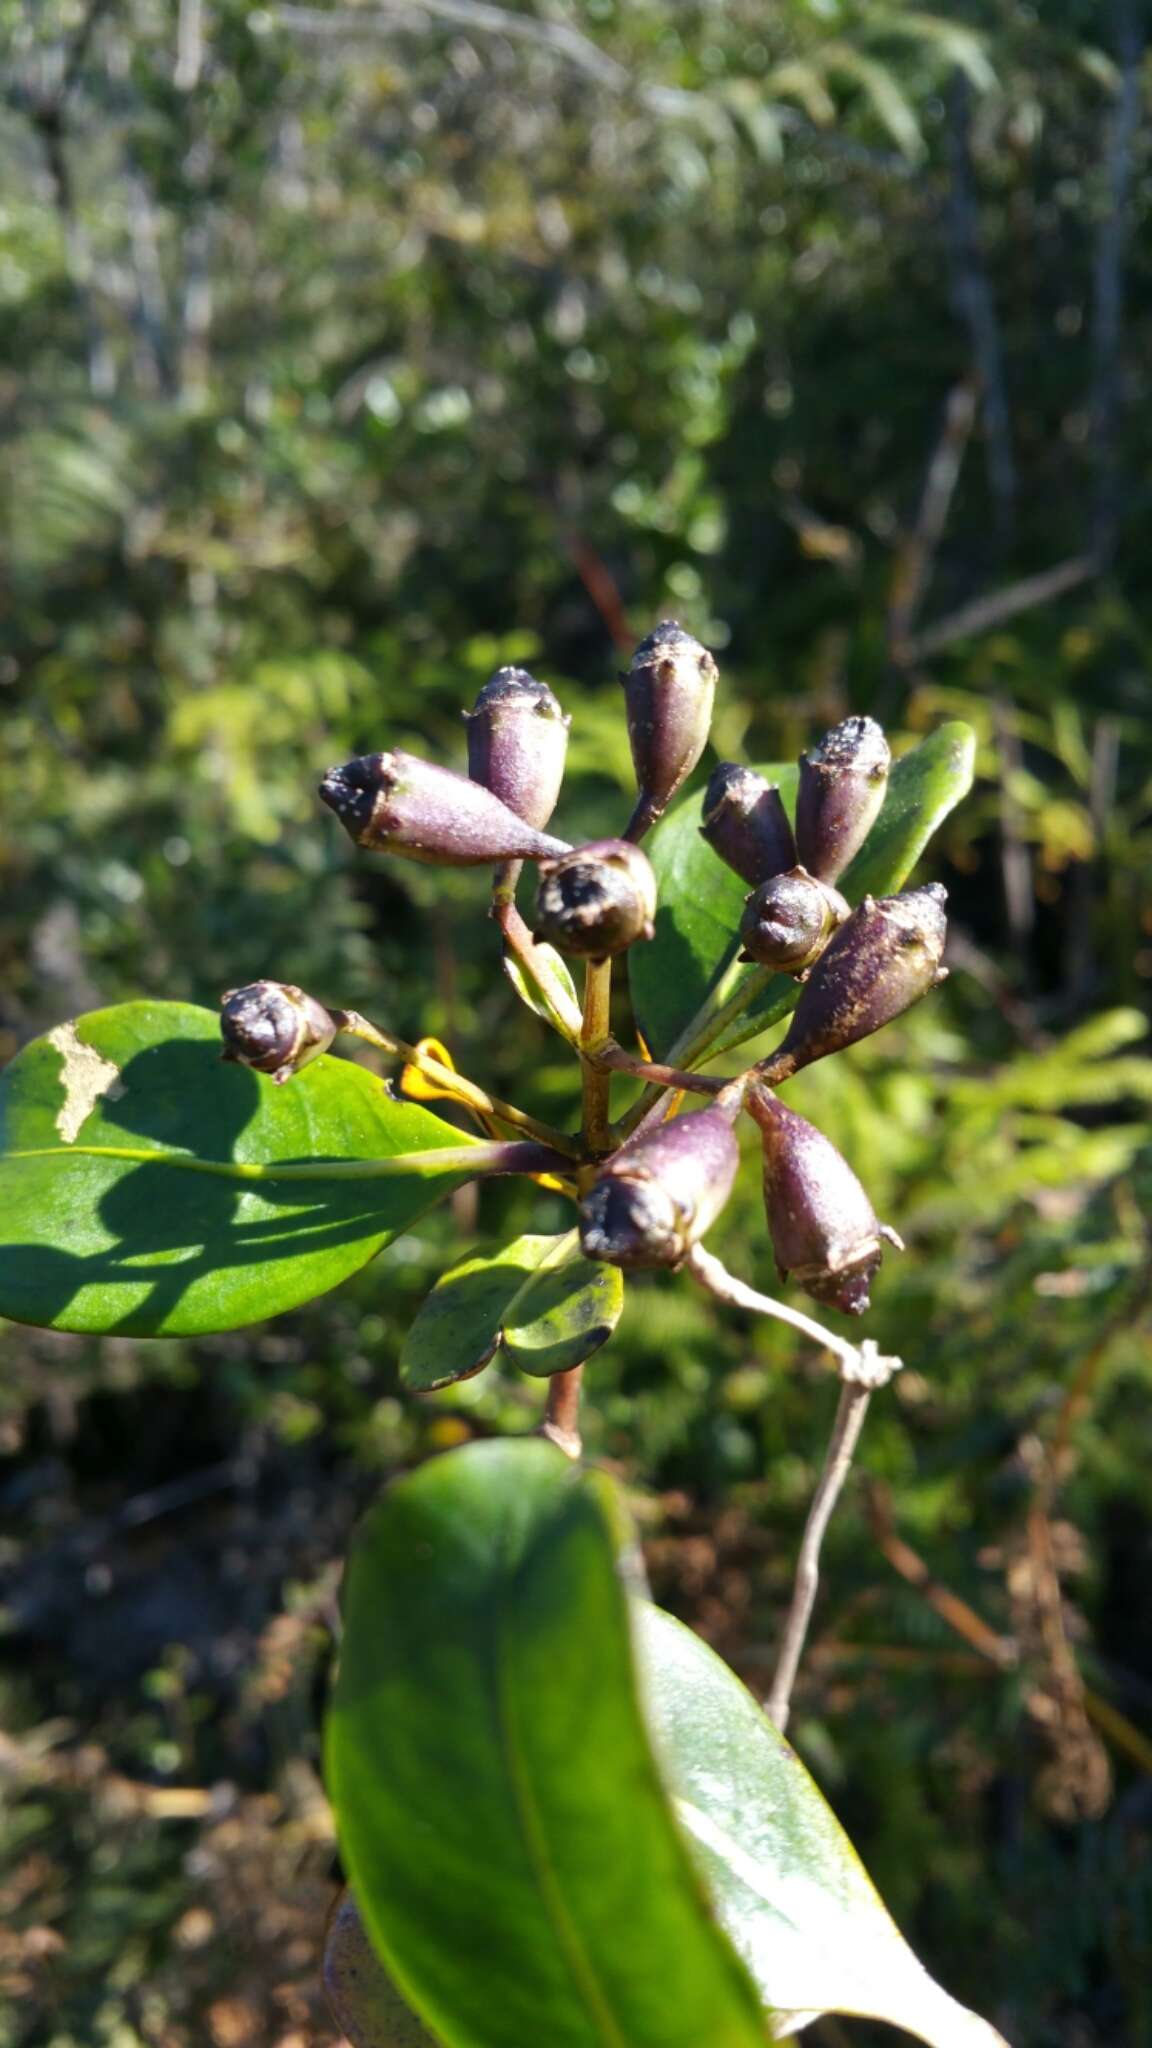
(700, 1035)
(594, 1035)
(454, 1084)
(474, 1159)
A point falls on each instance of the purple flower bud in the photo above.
(596, 900)
(824, 1232)
(658, 1195)
(668, 692)
(788, 921)
(878, 964)
(396, 803)
(517, 740)
(746, 824)
(842, 786)
(274, 1027)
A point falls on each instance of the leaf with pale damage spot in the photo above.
(85, 1076)
(122, 1205)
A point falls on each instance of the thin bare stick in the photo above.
(862, 1369)
(916, 556)
(985, 612)
(860, 1364)
(976, 304)
(1107, 396)
(480, 17)
(851, 1409)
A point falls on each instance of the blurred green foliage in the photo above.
(339, 362)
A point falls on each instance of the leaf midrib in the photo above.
(535, 1838)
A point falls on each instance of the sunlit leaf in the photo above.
(789, 1888)
(499, 1810)
(548, 1304)
(138, 1189)
(544, 983)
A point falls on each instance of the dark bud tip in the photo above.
(274, 1027)
(597, 900)
(745, 822)
(516, 689)
(630, 1223)
(354, 791)
(856, 743)
(658, 1195)
(789, 920)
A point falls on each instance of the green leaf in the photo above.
(564, 1313)
(701, 899)
(789, 1888)
(365, 2003)
(551, 1308)
(499, 1809)
(139, 1181)
(547, 987)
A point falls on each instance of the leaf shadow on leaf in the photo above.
(192, 1222)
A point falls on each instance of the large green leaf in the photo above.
(701, 899)
(788, 1885)
(365, 2003)
(549, 1306)
(500, 1813)
(138, 1189)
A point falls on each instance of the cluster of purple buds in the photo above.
(652, 1200)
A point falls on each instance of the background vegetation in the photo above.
(345, 352)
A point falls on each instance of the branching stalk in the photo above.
(862, 1369)
(613, 1059)
(850, 1412)
(860, 1364)
(455, 1084)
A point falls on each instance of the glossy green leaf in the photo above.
(365, 2002)
(549, 1306)
(140, 1187)
(545, 984)
(789, 1888)
(564, 1313)
(498, 1805)
(701, 899)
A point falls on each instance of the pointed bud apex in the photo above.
(274, 1027)
(788, 921)
(396, 803)
(746, 824)
(517, 740)
(842, 786)
(668, 692)
(596, 900)
(824, 1232)
(659, 1194)
(878, 964)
